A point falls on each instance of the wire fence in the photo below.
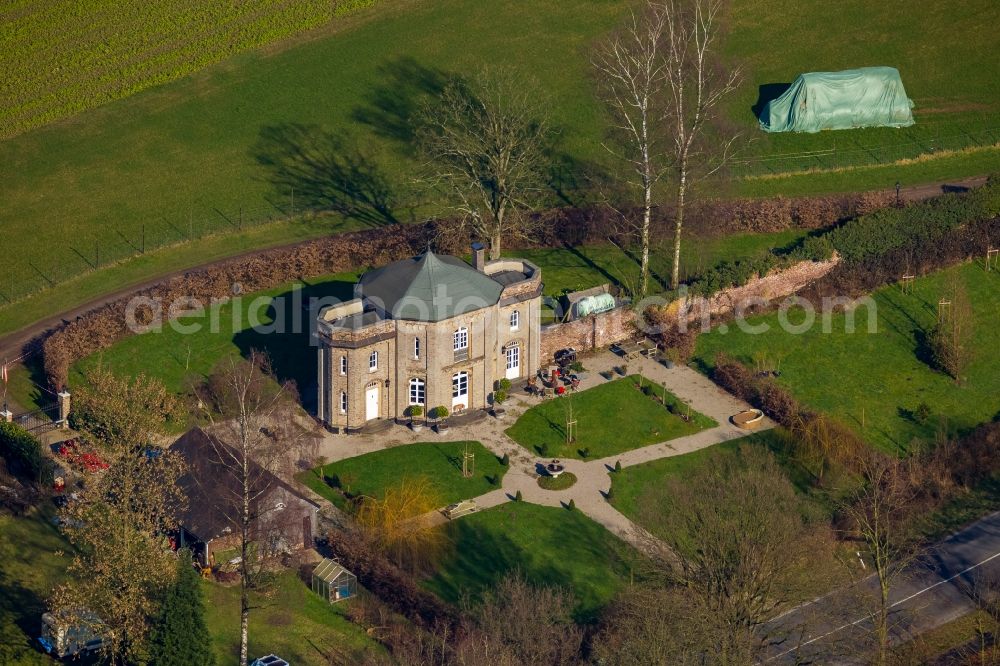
(30, 275)
(851, 154)
(21, 277)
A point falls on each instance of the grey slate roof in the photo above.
(428, 288)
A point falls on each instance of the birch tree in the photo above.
(696, 86)
(877, 511)
(631, 74)
(484, 142)
(249, 449)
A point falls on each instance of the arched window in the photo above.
(343, 365)
(515, 320)
(418, 394)
(343, 402)
(416, 347)
(373, 361)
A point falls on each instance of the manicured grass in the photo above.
(178, 357)
(291, 622)
(611, 418)
(548, 545)
(199, 149)
(561, 482)
(441, 462)
(30, 567)
(881, 376)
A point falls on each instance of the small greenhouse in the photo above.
(333, 582)
(865, 97)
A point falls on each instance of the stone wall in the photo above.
(777, 284)
(619, 324)
(588, 333)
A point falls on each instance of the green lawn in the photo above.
(291, 622)
(611, 418)
(30, 567)
(177, 357)
(548, 545)
(441, 462)
(325, 121)
(881, 376)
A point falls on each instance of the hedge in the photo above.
(23, 453)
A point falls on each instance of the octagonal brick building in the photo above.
(429, 330)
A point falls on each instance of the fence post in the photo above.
(64, 406)
(6, 415)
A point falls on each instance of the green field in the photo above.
(611, 418)
(441, 462)
(324, 123)
(108, 50)
(549, 546)
(289, 621)
(880, 378)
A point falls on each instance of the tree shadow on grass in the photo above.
(392, 105)
(322, 170)
(288, 340)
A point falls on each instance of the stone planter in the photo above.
(499, 412)
(668, 364)
(441, 428)
(417, 426)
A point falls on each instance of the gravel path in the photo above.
(593, 476)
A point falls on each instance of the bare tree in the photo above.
(951, 338)
(631, 73)
(740, 541)
(696, 86)
(877, 515)
(485, 143)
(250, 447)
(518, 623)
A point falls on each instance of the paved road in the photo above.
(834, 629)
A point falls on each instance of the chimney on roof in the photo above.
(479, 257)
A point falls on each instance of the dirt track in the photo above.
(13, 344)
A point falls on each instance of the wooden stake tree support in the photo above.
(944, 309)
(992, 258)
(570, 421)
(468, 463)
(906, 283)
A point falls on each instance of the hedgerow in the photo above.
(23, 453)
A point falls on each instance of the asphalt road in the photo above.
(835, 629)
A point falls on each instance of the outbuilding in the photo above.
(333, 582)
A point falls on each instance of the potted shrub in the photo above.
(623, 369)
(416, 411)
(440, 414)
(670, 358)
(499, 397)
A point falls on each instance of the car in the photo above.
(565, 357)
(459, 509)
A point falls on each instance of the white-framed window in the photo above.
(373, 361)
(343, 365)
(416, 347)
(460, 385)
(515, 320)
(418, 394)
(461, 339)
(513, 354)
(343, 402)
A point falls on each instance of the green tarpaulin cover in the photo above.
(866, 97)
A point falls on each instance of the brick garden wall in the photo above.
(589, 333)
